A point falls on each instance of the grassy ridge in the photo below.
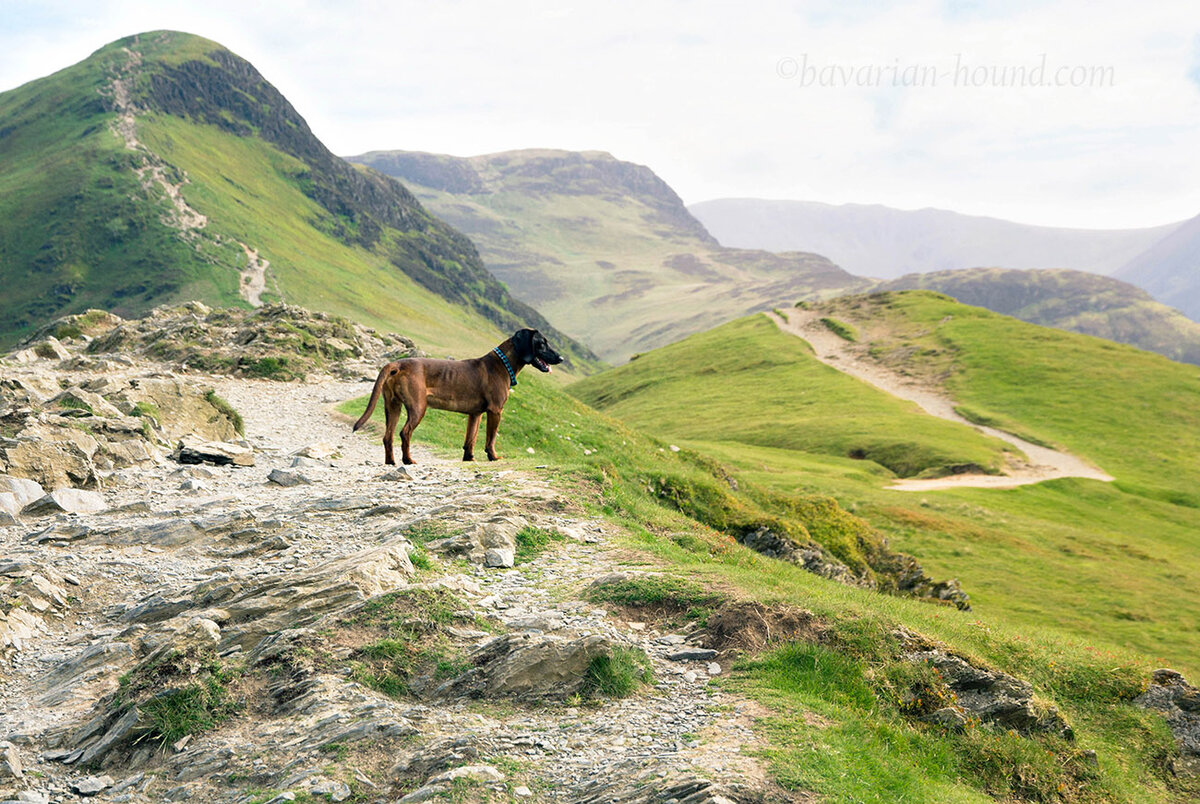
(1106, 563)
(763, 387)
(1136, 414)
(860, 747)
(253, 193)
(77, 231)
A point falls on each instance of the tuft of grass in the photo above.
(655, 591)
(420, 558)
(75, 404)
(191, 709)
(840, 328)
(532, 541)
(618, 674)
(227, 410)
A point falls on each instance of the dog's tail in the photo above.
(384, 373)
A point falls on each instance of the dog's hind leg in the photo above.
(415, 412)
(472, 433)
(392, 415)
(493, 427)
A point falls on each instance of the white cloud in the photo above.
(692, 90)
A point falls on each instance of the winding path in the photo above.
(834, 351)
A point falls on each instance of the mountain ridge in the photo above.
(169, 119)
(604, 247)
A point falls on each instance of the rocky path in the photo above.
(221, 555)
(834, 351)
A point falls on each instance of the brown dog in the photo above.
(473, 387)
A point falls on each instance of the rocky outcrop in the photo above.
(276, 341)
(30, 596)
(247, 611)
(492, 543)
(965, 691)
(528, 666)
(652, 789)
(64, 424)
(1179, 703)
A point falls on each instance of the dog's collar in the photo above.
(512, 375)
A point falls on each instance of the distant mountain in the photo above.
(873, 240)
(604, 248)
(164, 167)
(1170, 269)
(1070, 300)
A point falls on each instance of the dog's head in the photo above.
(533, 350)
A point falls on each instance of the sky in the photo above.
(1063, 113)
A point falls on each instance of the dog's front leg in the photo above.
(472, 433)
(493, 427)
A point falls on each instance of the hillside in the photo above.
(165, 168)
(604, 248)
(1168, 269)
(1072, 300)
(1107, 560)
(608, 617)
(878, 241)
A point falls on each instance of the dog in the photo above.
(473, 387)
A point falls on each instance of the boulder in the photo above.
(54, 458)
(183, 411)
(1179, 703)
(23, 490)
(91, 403)
(218, 453)
(320, 451)
(50, 349)
(10, 762)
(527, 666)
(992, 696)
(497, 536)
(71, 501)
(282, 477)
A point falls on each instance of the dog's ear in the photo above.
(523, 342)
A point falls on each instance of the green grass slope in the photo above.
(604, 248)
(748, 383)
(1105, 563)
(1070, 300)
(91, 157)
(836, 724)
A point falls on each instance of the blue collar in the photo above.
(512, 375)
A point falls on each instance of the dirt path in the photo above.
(832, 350)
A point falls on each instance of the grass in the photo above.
(840, 328)
(533, 541)
(774, 392)
(665, 592)
(179, 693)
(405, 647)
(1109, 562)
(618, 674)
(225, 409)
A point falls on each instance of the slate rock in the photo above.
(282, 477)
(692, 655)
(71, 501)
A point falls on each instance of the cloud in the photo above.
(694, 90)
